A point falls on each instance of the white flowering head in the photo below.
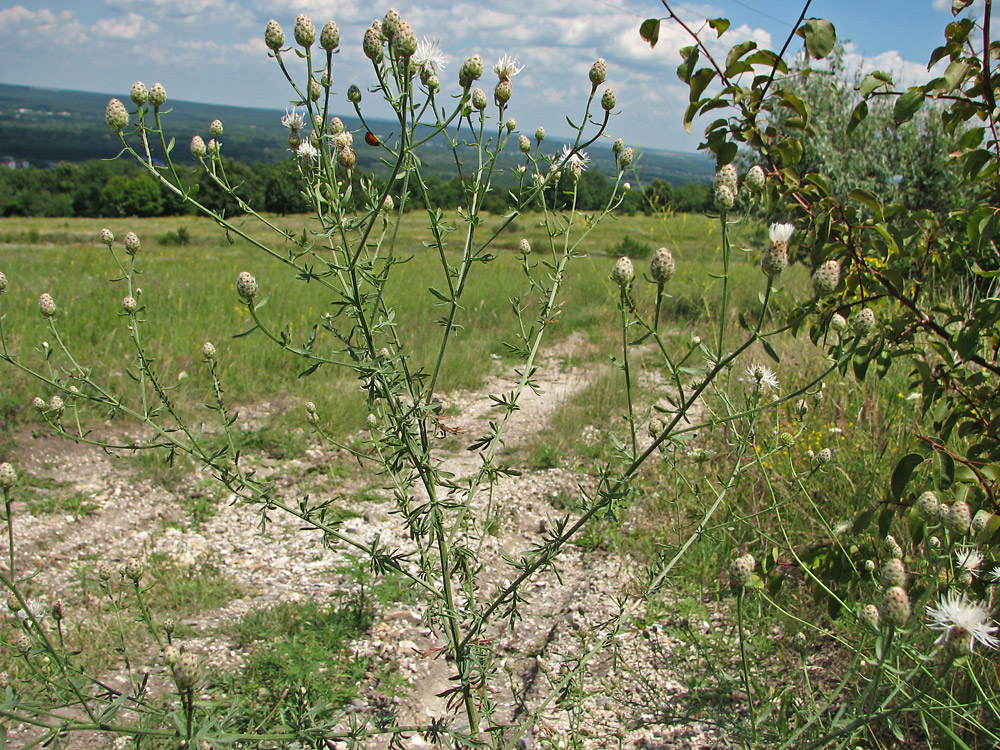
(429, 56)
(962, 621)
(293, 120)
(762, 378)
(574, 162)
(507, 67)
(781, 232)
(968, 560)
(307, 152)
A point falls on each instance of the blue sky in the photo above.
(213, 50)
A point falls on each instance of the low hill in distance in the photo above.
(47, 126)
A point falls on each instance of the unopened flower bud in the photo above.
(524, 143)
(502, 93)
(927, 505)
(371, 420)
(618, 146)
(353, 94)
(169, 626)
(628, 155)
(432, 82)
(540, 134)
(274, 37)
(524, 247)
(116, 115)
(7, 476)
(896, 606)
(106, 237)
(979, 521)
(38, 403)
(198, 149)
(133, 569)
(305, 32)
(870, 616)
(105, 570)
(405, 42)
(824, 457)
(598, 72)
(315, 90)
(157, 95)
(470, 71)
(801, 408)
(132, 243)
(215, 128)
(171, 655)
(661, 268)
(726, 175)
(46, 305)
(130, 304)
(372, 44)
(724, 198)
(208, 350)
(511, 124)
(959, 519)
(826, 278)
(755, 178)
(329, 36)
(893, 573)
(623, 273)
(741, 570)
(139, 93)
(786, 439)
(246, 286)
(347, 158)
(186, 671)
(479, 99)
(22, 642)
(863, 322)
(838, 323)
(608, 100)
(57, 610)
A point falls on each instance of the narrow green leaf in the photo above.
(857, 116)
(869, 199)
(650, 31)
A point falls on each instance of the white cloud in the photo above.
(131, 26)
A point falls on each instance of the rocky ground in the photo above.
(628, 700)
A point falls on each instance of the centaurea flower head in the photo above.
(963, 621)
(507, 67)
(293, 120)
(762, 378)
(429, 56)
(968, 559)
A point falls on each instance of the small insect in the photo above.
(371, 139)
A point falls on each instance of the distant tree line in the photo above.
(101, 188)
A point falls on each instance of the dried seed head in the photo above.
(274, 37)
(46, 305)
(7, 476)
(139, 93)
(661, 268)
(246, 286)
(623, 273)
(598, 72)
(116, 115)
(329, 36)
(157, 95)
(305, 32)
(347, 158)
(132, 244)
(215, 128)
(198, 149)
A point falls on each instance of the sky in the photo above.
(213, 50)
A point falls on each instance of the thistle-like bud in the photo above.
(826, 278)
(524, 247)
(171, 655)
(208, 351)
(662, 266)
(116, 115)
(893, 573)
(623, 273)
(432, 82)
(390, 23)
(353, 94)
(274, 37)
(618, 146)
(870, 616)
(315, 89)
(598, 72)
(139, 93)
(891, 547)
(741, 570)
(169, 626)
(724, 198)
(212, 147)
(959, 518)
(372, 421)
(511, 125)
(470, 71)
(22, 642)
(838, 323)
(132, 244)
(726, 175)
(540, 134)
(863, 322)
(157, 95)
(895, 607)
(479, 99)
(246, 286)
(524, 143)
(608, 100)
(215, 128)
(13, 603)
(130, 304)
(775, 259)
(329, 36)
(502, 93)
(347, 158)
(406, 40)
(305, 32)
(56, 404)
(38, 403)
(755, 178)
(786, 439)
(133, 569)
(106, 237)
(336, 126)
(186, 671)
(979, 521)
(46, 306)
(105, 570)
(466, 108)
(824, 457)
(627, 157)
(3, 282)
(343, 139)
(7, 476)
(198, 149)
(57, 610)
(372, 44)
(927, 505)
